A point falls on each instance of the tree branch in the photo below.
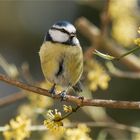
(73, 99)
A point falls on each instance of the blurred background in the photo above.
(23, 25)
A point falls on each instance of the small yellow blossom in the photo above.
(97, 76)
(17, 129)
(137, 41)
(54, 121)
(49, 135)
(79, 133)
(67, 108)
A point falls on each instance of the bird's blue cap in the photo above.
(62, 23)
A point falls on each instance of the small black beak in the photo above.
(72, 35)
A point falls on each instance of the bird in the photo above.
(61, 56)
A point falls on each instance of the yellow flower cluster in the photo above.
(137, 40)
(17, 129)
(54, 121)
(124, 21)
(97, 76)
(79, 133)
(67, 108)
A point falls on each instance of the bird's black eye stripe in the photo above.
(62, 30)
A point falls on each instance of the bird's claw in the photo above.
(52, 91)
(81, 98)
(63, 96)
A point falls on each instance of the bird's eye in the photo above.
(63, 30)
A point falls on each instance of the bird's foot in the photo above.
(63, 95)
(81, 98)
(78, 87)
(52, 91)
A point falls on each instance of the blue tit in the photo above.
(61, 56)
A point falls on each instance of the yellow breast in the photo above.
(52, 54)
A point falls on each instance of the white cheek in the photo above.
(58, 36)
(76, 41)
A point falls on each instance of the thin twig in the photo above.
(11, 98)
(127, 53)
(112, 58)
(74, 99)
(70, 113)
(93, 33)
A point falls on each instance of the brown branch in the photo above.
(11, 99)
(93, 33)
(24, 86)
(74, 99)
